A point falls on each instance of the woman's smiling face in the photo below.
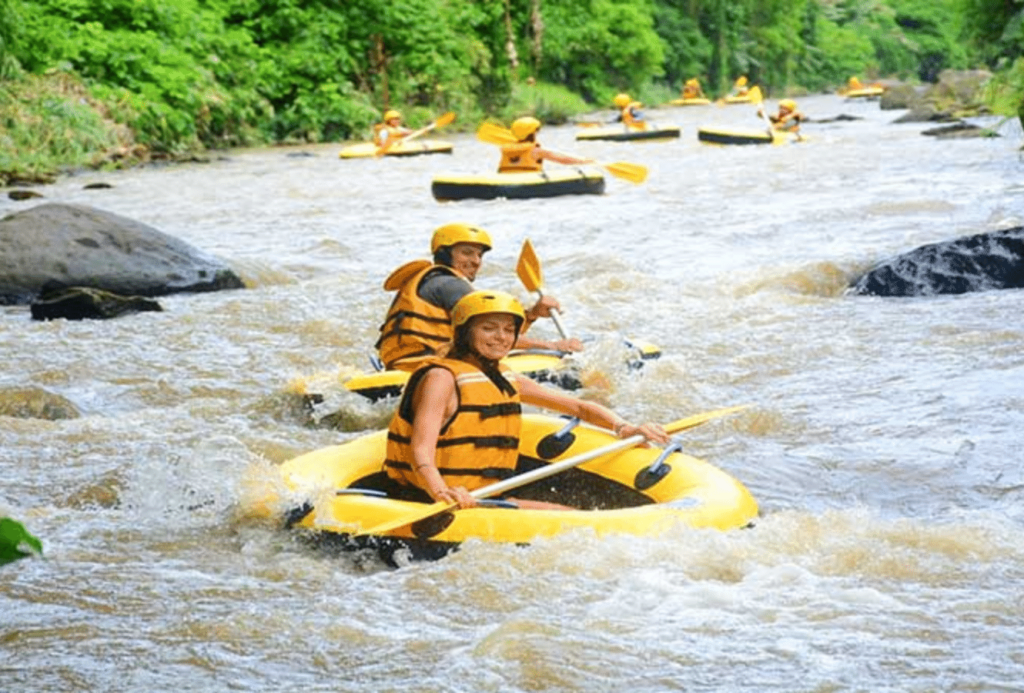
(492, 335)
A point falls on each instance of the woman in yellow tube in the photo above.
(390, 129)
(457, 426)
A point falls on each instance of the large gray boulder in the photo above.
(52, 245)
(973, 263)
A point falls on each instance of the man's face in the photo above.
(467, 258)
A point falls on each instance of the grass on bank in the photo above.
(49, 123)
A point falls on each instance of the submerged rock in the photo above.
(35, 403)
(973, 263)
(59, 245)
(80, 303)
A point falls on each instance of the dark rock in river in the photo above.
(972, 263)
(59, 245)
(959, 131)
(80, 303)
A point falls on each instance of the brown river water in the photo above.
(883, 441)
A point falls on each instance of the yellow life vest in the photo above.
(516, 158)
(414, 328)
(478, 446)
(393, 133)
(629, 121)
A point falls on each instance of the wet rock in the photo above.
(82, 303)
(973, 263)
(23, 194)
(956, 94)
(958, 131)
(61, 245)
(842, 117)
(899, 96)
(35, 403)
(97, 186)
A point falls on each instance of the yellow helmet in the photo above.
(692, 82)
(741, 81)
(622, 100)
(524, 127)
(487, 302)
(788, 104)
(450, 234)
(388, 115)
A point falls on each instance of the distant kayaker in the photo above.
(692, 90)
(630, 114)
(390, 129)
(739, 87)
(457, 426)
(526, 154)
(787, 119)
(419, 318)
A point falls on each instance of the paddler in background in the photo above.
(526, 154)
(457, 426)
(739, 87)
(787, 119)
(390, 129)
(692, 90)
(419, 318)
(630, 114)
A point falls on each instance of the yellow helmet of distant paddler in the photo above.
(788, 104)
(485, 303)
(524, 127)
(390, 115)
(741, 81)
(622, 100)
(450, 234)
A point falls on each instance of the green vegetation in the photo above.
(102, 82)
(16, 542)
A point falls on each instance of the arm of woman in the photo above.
(433, 403)
(591, 412)
(560, 158)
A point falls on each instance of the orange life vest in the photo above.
(478, 446)
(516, 157)
(414, 328)
(629, 121)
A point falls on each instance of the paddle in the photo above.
(528, 269)
(757, 98)
(550, 470)
(440, 122)
(496, 134)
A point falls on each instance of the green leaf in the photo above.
(16, 542)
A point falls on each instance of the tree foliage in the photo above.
(185, 74)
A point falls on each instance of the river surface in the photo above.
(883, 443)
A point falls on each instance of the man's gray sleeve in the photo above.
(443, 290)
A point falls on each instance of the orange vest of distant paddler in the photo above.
(393, 133)
(516, 158)
(629, 121)
(478, 446)
(414, 328)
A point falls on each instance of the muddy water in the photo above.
(882, 444)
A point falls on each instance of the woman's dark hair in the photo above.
(443, 256)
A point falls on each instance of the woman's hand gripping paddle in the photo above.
(544, 472)
(391, 141)
(496, 134)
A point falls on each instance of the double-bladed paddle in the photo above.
(528, 269)
(550, 470)
(391, 141)
(496, 134)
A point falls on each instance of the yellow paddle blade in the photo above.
(755, 94)
(634, 173)
(528, 268)
(444, 119)
(495, 134)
